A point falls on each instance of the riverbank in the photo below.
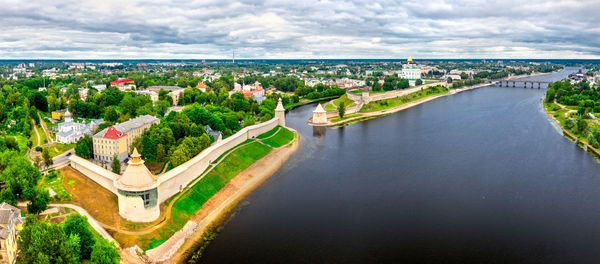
(369, 115)
(564, 113)
(213, 210)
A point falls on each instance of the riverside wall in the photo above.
(177, 179)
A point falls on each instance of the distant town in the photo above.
(126, 155)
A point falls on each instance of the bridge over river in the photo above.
(523, 83)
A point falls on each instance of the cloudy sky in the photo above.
(212, 29)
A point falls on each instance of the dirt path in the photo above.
(39, 142)
(49, 138)
(565, 107)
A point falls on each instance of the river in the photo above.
(477, 177)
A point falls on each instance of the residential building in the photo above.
(174, 91)
(202, 87)
(70, 131)
(126, 84)
(11, 223)
(115, 140)
(58, 114)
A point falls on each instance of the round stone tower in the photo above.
(280, 113)
(319, 115)
(138, 192)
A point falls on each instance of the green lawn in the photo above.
(307, 101)
(345, 117)
(43, 139)
(393, 102)
(34, 138)
(268, 133)
(194, 197)
(282, 137)
(59, 148)
(336, 103)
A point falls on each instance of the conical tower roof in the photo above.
(279, 106)
(136, 177)
(319, 109)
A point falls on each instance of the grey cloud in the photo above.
(287, 29)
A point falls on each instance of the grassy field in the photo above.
(394, 102)
(59, 148)
(33, 138)
(307, 101)
(268, 133)
(282, 137)
(43, 139)
(345, 117)
(336, 103)
(192, 200)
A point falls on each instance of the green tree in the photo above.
(41, 242)
(78, 225)
(418, 82)
(115, 165)
(75, 243)
(38, 201)
(105, 252)
(161, 153)
(464, 76)
(342, 109)
(581, 125)
(569, 123)
(46, 156)
(148, 147)
(85, 147)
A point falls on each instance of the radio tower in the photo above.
(233, 57)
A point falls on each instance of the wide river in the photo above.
(478, 177)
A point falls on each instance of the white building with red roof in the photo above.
(124, 84)
(115, 140)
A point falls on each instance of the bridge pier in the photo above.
(514, 84)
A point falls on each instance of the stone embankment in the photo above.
(401, 107)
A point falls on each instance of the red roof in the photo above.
(121, 81)
(113, 133)
(201, 85)
(248, 94)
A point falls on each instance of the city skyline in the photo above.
(298, 30)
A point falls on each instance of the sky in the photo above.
(299, 29)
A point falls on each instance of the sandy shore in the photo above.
(173, 250)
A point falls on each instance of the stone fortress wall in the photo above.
(98, 174)
(175, 180)
(178, 178)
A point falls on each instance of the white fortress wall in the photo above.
(98, 174)
(178, 178)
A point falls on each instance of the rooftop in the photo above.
(136, 177)
(127, 126)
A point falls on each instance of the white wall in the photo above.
(178, 178)
(98, 174)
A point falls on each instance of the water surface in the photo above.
(477, 177)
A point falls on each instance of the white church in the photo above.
(71, 131)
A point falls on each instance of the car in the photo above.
(69, 154)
